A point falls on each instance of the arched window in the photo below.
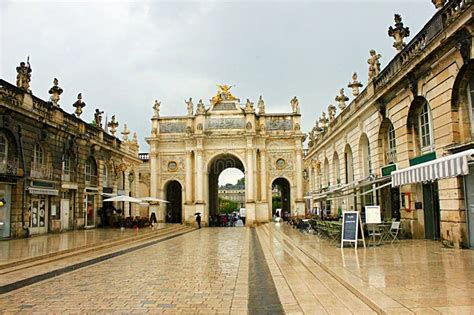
(327, 182)
(348, 164)
(3, 148)
(424, 123)
(364, 156)
(336, 169)
(392, 145)
(38, 155)
(91, 171)
(470, 99)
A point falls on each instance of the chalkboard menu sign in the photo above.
(349, 225)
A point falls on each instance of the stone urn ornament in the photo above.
(55, 92)
(341, 99)
(399, 33)
(79, 105)
(125, 132)
(113, 124)
(354, 85)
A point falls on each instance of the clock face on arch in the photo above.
(280, 163)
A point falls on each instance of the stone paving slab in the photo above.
(22, 249)
(412, 276)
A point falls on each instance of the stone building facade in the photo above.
(405, 141)
(234, 193)
(187, 154)
(55, 169)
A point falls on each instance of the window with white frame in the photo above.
(424, 121)
(105, 176)
(38, 155)
(392, 145)
(91, 171)
(470, 98)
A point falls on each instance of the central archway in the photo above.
(217, 165)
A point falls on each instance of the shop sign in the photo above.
(388, 169)
(423, 158)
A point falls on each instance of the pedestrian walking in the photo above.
(198, 218)
(153, 220)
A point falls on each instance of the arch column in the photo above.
(249, 183)
(299, 202)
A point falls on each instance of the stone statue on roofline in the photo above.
(324, 121)
(201, 109)
(374, 64)
(156, 109)
(261, 105)
(248, 106)
(354, 85)
(295, 105)
(79, 105)
(399, 32)
(55, 92)
(98, 118)
(189, 106)
(23, 76)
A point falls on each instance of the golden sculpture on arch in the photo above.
(223, 94)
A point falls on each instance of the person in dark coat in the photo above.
(198, 219)
(153, 220)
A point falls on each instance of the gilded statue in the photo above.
(223, 94)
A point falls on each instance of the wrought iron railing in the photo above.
(9, 166)
(41, 171)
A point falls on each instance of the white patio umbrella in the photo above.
(124, 199)
(153, 199)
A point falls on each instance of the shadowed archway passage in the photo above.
(216, 167)
(174, 208)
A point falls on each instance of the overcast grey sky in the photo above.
(122, 55)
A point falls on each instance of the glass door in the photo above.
(5, 211)
(38, 215)
(90, 210)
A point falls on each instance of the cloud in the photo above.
(123, 55)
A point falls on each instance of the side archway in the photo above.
(281, 197)
(174, 207)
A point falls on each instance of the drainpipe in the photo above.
(25, 179)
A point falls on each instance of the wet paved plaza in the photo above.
(270, 269)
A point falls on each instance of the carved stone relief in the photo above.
(172, 127)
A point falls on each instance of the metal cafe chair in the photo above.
(394, 230)
(374, 232)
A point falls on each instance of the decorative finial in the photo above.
(189, 106)
(354, 85)
(98, 118)
(156, 109)
(331, 112)
(341, 99)
(113, 124)
(295, 105)
(79, 105)
(374, 64)
(261, 105)
(399, 32)
(438, 3)
(200, 108)
(23, 76)
(135, 138)
(125, 132)
(55, 92)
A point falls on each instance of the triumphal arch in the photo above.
(187, 154)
